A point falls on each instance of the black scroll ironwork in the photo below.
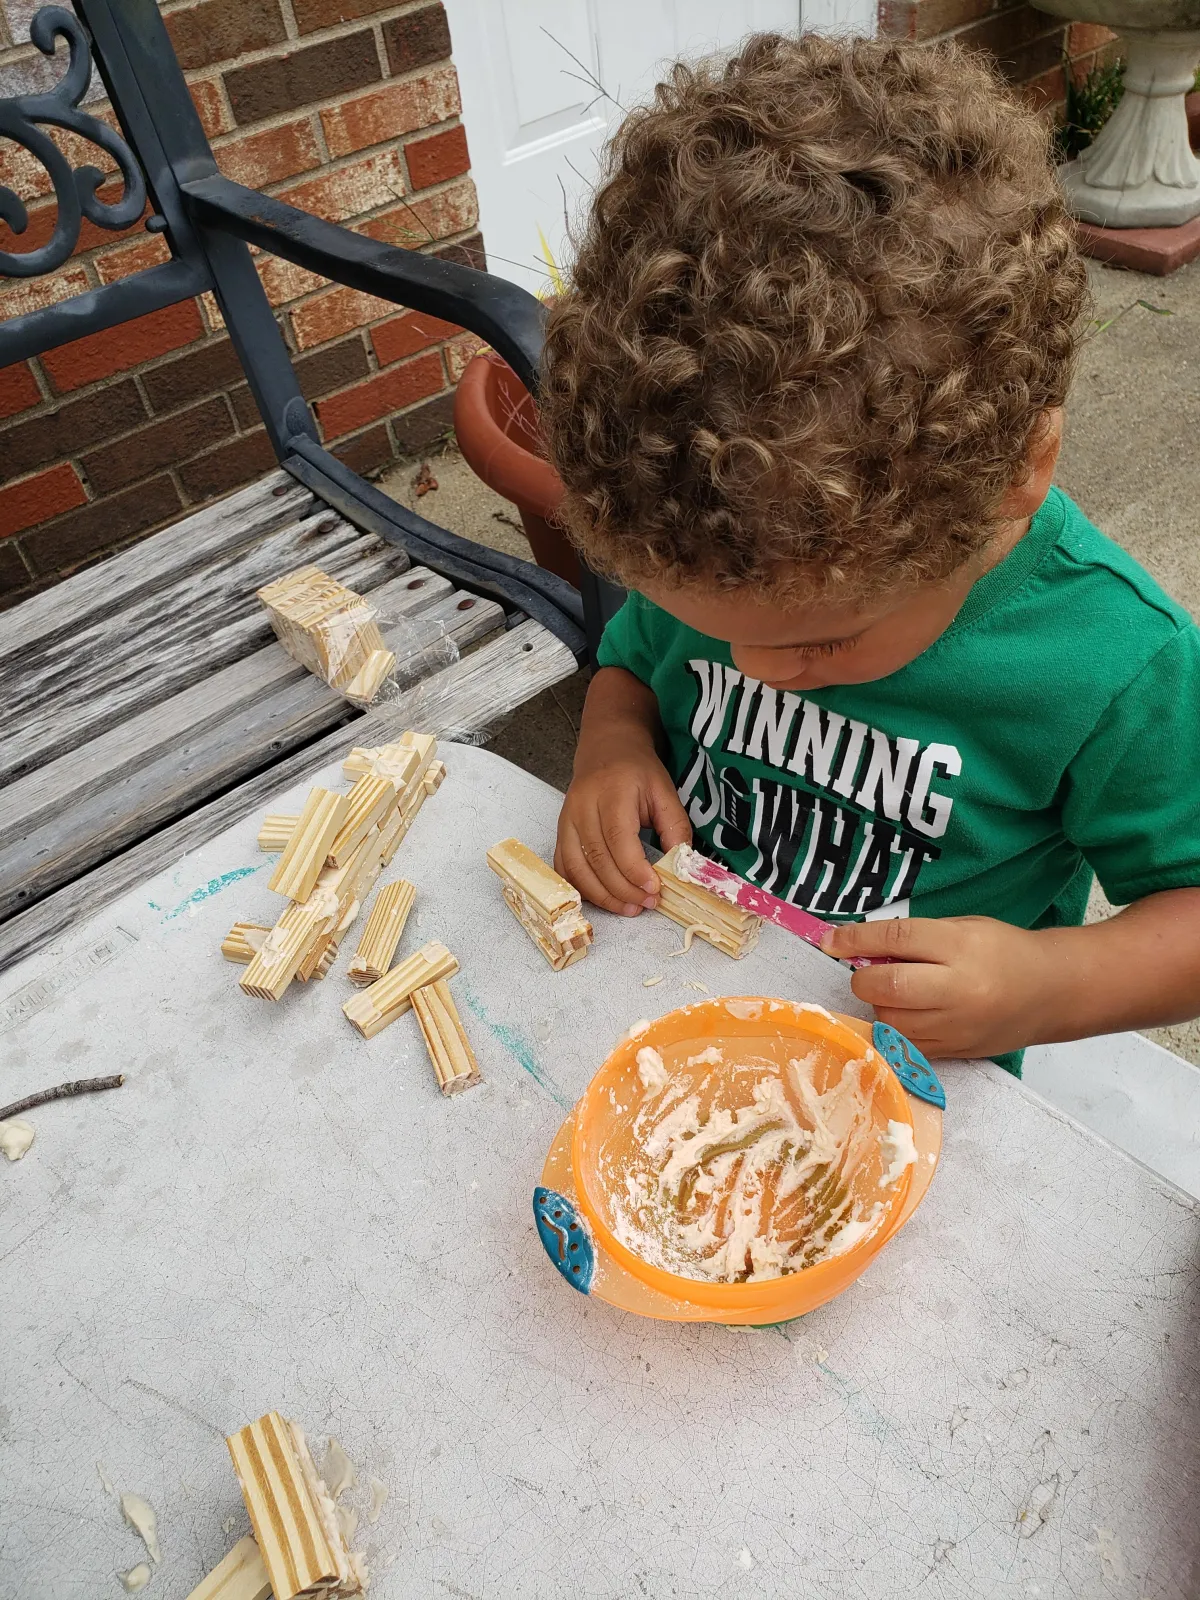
(74, 189)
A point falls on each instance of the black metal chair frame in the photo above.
(208, 222)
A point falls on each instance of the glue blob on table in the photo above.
(275, 1213)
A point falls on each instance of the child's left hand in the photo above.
(954, 986)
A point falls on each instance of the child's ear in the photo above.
(1033, 484)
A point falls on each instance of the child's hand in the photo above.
(956, 986)
(615, 793)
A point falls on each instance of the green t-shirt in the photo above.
(1052, 732)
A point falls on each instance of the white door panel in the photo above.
(840, 16)
(543, 83)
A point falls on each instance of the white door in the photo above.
(544, 81)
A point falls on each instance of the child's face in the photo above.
(825, 643)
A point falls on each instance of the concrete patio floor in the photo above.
(1130, 459)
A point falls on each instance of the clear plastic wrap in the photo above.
(367, 654)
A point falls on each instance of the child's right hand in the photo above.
(615, 793)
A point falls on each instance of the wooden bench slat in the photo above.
(185, 547)
(74, 687)
(69, 814)
(501, 675)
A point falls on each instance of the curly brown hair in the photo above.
(822, 300)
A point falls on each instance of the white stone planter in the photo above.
(1140, 171)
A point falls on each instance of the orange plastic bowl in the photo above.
(603, 1150)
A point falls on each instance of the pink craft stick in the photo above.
(711, 875)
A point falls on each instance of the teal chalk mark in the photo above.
(206, 891)
(869, 1419)
(521, 1051)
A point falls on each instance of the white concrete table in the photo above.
(274, 1213)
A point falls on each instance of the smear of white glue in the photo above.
(379, 1493)
(16, 1135)
(744, 1010)
(651, 1070)
(136, 1578)
(896, 1147)
(338, 1470)
(141, 1517)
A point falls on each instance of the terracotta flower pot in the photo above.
(496, 424)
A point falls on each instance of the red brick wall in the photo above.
(348, 108)
(1030, 45)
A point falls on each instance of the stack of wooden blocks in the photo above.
(332, 855)
(330, 630)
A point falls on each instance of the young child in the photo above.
(805, 393)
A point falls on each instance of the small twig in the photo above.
(62, 1092)
(591, 79)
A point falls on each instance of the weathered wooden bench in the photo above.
(145, 704)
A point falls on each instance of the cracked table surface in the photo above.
(273, 1213)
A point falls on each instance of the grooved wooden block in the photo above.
(275, 831)
(242, 1575)
(435, 777)
(372, 1010)
(382, 933)
(719, 922)
(370, 677)
(398, 761)
(449, 1049)
(370, 800)
(391, 836)
(243, 941)
(323, 625)
(291, 1512)
(320, 824)
(545, 904)
(343, 890)
(284, 949)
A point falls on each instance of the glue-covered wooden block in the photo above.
(370, 800)
(382, 932)
(706, 915)
(545, 904)
(376, 1007)
(292, 1513)
(450, 1052)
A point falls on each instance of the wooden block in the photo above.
(241, 1576)
(382, 933)
(292, 1514)
(391, 836)
(545, 904)
(319, 826)
(449, 1048)
(243, 942)
(435, 776)
(372, 1010)
(397, 761)
(346, 639)
(719, 922)
(276, 830)
(284, 949)
(325, 626)
(370, 800)
(343, 890)
(370, 677)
